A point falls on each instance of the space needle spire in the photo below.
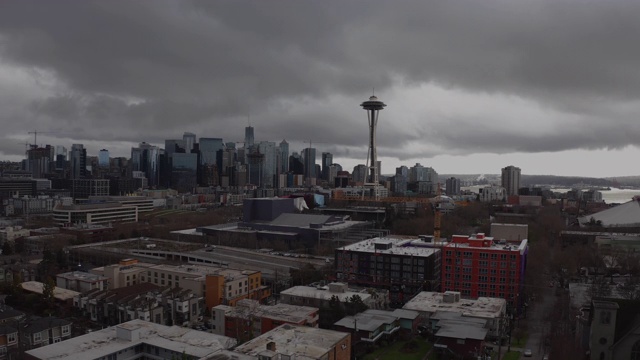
(373, 107)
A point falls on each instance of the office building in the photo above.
(78, 160)
(248, 137)
(173, 146)
(146, 158)
(104, 213)
(453, 186)
(284, 157)
(327, 160)
(189, 141)
(511, 180)
(184, 171)
(209, 148)
(103, 158)
(309, 161)
(359, 174)
(270, 163)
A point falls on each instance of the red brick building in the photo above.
(479, 266)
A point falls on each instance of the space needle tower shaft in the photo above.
(373, 107)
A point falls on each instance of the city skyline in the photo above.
(528, 88)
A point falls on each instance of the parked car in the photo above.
(527, 353)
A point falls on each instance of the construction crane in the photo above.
(437, 215)
(35, 136)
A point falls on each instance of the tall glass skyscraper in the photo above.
(189, 141)
(208, 150)
(309, 160)
(284, 157)
(269, 164)
(327, 160)
(78, 159)
(248, 137)
(103, 158)
(145, 158)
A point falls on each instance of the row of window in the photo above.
(482, 255)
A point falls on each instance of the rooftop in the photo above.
(323, 293)
(365, 321)
(398, 245)
(454, 325)
(281, 312)
(58, 293)
(627, 214)
(82, 276)
(483, 307)
(126, 335)
(303, 341)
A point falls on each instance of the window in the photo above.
(66, 330)
(11, 338)
(37, 337)
(605, 317)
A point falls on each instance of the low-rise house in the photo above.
(369, 328)
(149, 302)
(8, 342)
(459, 335)
(45, 331)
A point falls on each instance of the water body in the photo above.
(615, 195)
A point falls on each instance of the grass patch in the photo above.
(405, 350)
(521, 342)
(511, 355)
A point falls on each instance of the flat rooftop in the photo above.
(401, 245)
(58, 293)
(366, 322)
(108, 341)
(484, 307)
(457, 327)
(82, 276)
(281, 312)
(303, 341)
(322, 293)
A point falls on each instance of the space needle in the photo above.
(373, 107)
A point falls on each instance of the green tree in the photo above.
(47, 291)
(7, 249)
(62, 259)
(355, 305)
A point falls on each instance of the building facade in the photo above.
(402, 265)
(477, 266)
(511, 179)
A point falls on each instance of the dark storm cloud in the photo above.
(149, 70)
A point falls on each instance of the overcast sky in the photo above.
(470, 86)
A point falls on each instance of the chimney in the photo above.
(271, 346)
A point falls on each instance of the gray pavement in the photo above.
(537, 324)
